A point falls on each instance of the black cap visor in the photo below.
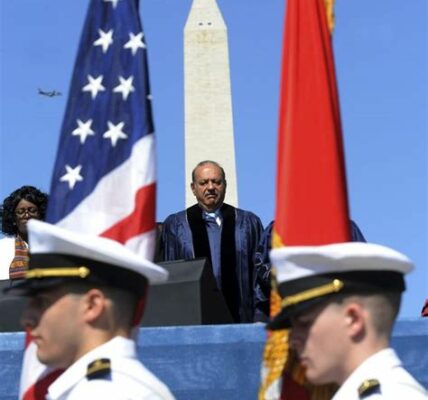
(50, 270)
(313, 290)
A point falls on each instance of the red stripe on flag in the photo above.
(28, 338)
(40, 388)
(292, 390)
(141, 220)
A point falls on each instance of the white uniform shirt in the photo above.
(394, 381)
(7, 253)
(128, 380)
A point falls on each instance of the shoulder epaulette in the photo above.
(369, 386)
(99, 369)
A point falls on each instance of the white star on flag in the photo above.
(113, 2)
(94, 86)
(115, 132)
(83, 130)
(72, 176)
(125, 87)
(105, 39)
(135, 42)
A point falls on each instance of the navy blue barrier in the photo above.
(213, 362)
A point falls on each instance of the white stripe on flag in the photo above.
(143, 244)
(91, 215)
(33, 369)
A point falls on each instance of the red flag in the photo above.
(311, 195)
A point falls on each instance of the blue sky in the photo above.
(381, 63)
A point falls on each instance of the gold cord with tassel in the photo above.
(329, 9)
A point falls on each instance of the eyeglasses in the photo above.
(30, 210)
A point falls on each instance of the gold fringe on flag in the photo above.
(329, 9)
(276, 349)
(279, 358)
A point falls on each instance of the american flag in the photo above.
(104, 177)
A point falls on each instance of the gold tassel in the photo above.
(329, 8)
(276, 348)
(278, 357)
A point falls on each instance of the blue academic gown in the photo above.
(178, 245)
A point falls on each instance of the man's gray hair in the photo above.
(201, 163)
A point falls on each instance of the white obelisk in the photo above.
(207, 95)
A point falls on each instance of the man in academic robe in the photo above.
(225, 235)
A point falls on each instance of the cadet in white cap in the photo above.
(340, 302)
(85, 295)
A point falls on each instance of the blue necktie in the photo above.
(213, 216)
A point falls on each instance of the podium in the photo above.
(11, 309)
(189, 297)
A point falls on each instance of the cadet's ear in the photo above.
(94, 304)
(355, 319)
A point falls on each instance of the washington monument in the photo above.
(207, 95)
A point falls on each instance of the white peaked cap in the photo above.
(307, 275)
(46, 238)
(295, 262)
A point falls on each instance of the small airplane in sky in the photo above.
(51, 93)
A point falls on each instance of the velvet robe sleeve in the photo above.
(262, 261)
(356, 234)
(248, 232)
(177, 238)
